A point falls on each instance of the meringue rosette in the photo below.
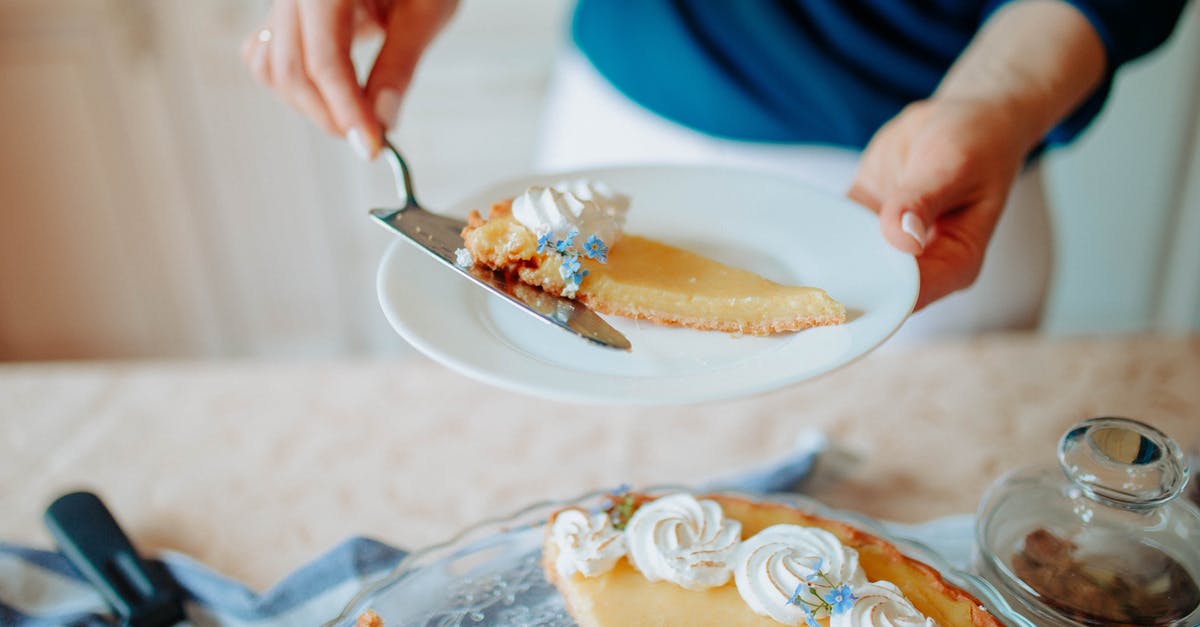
(587, 543)
(881, 604)
(785, 572)
(682, 540)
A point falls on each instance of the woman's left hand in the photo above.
(938, 175)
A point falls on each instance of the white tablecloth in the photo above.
(254, 468)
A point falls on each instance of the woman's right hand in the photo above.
(303, 54)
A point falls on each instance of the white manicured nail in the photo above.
(911, 224)
(387, 107)
(359, 143)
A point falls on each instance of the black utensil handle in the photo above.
(88, 535)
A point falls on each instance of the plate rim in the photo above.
(696, 394)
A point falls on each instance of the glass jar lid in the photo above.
(1102, 539)
(1124, 462)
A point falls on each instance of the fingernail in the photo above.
(358, 142)
(911, 224)
(387, 107)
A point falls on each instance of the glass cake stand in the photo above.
(490, 574)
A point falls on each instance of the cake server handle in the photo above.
(88, 535)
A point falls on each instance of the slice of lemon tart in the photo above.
(567, 240)
(726, 561)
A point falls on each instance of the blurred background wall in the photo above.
(158, 203)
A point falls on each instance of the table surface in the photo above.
(255, 468)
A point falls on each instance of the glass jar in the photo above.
(1100, 540)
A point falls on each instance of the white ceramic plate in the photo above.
(779, 228)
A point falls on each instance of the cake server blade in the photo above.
(440, 237)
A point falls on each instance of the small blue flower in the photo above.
(595, 248)
(795, 598)
(570, 269)
(616, 495)
(816, 570)
(544, 241)
(809, 619)
(564, 245)
(840, 599)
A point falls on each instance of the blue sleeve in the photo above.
(1128, 30)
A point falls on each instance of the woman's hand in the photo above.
(938, 175)
(303, 54)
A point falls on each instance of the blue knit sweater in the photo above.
(826, 71)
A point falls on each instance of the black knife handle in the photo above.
(88, 535)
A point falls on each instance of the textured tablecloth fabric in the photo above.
(41, 588)
(254, 468)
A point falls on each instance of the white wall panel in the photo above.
(1116, 193)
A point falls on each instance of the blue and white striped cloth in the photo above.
(41, 588)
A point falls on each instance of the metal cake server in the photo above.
(440, 237)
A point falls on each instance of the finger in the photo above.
(289, 75)
(861, 193)
(411, 27)
(929, 187)
(906, 220)
(953, 259)
(877, 169)
(256, 59)
(327, 26)
(370, 17)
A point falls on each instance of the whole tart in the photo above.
(649, 280)
(625, 596)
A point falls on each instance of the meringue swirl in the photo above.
(610, 202)
(684, 541)
(881, 604)
(587, 544)
(776, 562)
(590, 208)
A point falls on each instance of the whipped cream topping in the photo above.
(587, 543)
(590, 208)
(881, 604)
(595, 191)
(781, 560)
(684, 541)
